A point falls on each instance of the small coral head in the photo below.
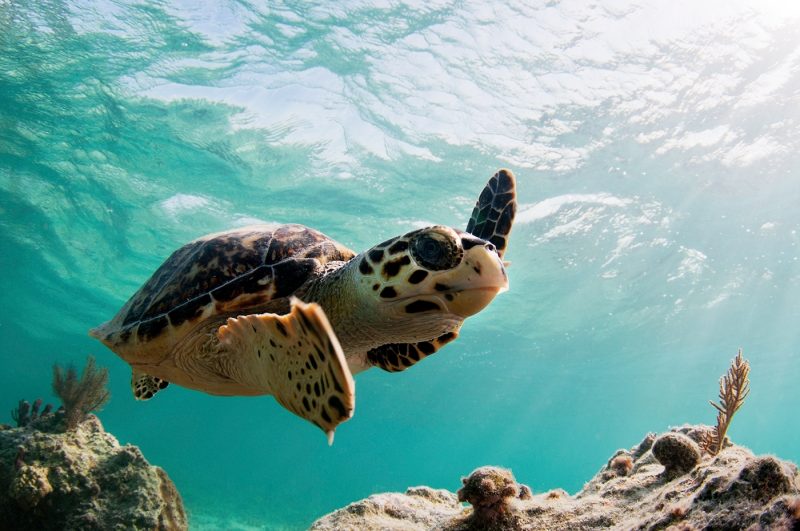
(488, 486)
(622, 464)
(678, 511)
(678, 453)
(794, 508)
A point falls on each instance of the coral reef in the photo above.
(733, 389)
(81, 479)
(730, 490)
(80, 396)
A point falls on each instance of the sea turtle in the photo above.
(288, 311)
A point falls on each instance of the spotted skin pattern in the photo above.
(299, 359)
(144, 386)
(394, 273)
(398, 357)
(394, 278)
(491, 220)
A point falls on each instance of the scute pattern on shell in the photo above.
(236, 269)
(494, 212)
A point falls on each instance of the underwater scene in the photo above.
(650, 152)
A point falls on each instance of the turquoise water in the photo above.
(657, 154)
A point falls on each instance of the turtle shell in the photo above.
(233, 272)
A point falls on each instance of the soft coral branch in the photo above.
(733, 389)
(81, 395)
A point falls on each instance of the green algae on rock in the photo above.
(81, 479)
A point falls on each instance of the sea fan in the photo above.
(733, 389)
(80, 396)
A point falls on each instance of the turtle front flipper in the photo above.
(396, 357)
(295, 357)
(494, 211)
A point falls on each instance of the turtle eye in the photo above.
(436, 251)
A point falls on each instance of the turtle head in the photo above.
(435, 273)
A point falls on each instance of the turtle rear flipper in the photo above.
(494, 211)
(144, 386)
(297, 357)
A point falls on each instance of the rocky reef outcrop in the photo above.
(664, 482)
(81, 479)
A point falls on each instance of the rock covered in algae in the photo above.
(29, 485)
(419, 508)
(491, 491)
(677, 452)
(492, 487)
(81, 479)
(732, 490)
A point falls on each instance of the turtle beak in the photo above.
(485, 278)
